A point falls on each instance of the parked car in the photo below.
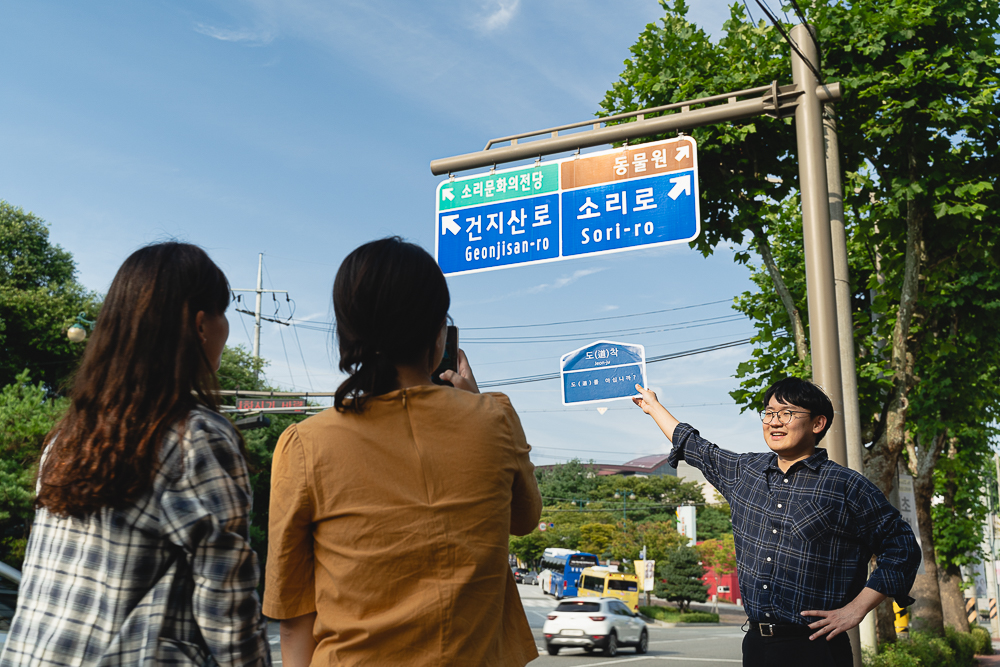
(10, 581)
(530, 578)
(594, 623)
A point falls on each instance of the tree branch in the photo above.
(798, 330)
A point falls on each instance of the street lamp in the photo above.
(77, 331)
(579, 503)
(625, 500)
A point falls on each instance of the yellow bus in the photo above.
(602, 582)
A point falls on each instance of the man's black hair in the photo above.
(804, 394)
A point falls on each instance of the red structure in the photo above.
(726, 586)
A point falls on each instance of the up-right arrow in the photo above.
(683, 152)
(682, 185)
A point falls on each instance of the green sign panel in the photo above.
(498, 186)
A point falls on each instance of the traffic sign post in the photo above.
(602, 371)
(611, 201)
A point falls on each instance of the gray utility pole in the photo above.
(817, 239)
(256, 312)
(866, 637)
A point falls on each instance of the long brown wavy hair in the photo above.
(143, 371)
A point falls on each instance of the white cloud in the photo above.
(563, 281)
(501, 16)
(257, 37)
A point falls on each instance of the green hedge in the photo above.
(955, 649)
(671, 615)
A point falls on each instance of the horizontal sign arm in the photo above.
(775, 100)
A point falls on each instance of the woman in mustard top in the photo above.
(391, 512)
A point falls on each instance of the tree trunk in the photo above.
(885, 622)
(928, 614)
(950, 575)
(798, 330)
(881, 461)
(952, 600)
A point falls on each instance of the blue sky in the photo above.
(302, 129)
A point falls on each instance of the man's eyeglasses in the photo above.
(784, 416)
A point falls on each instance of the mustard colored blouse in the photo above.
(393, 527)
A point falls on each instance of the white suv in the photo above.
(589, 623)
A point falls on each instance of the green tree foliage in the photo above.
(529, 548)
(27, 414)
(680, 578)
(39, 299)
(569, 481)
(240, 370)
(714, 521)
(597, 538)
(659, 537)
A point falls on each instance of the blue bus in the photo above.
(566, 565)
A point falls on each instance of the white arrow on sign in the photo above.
(448, 224)
(447, 194)
(683, 152)
(602, 410)
(682, 185)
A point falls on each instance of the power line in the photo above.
(819, 52)
(648, 348)
(330, 325)
(709, 321)
(303, 357)
(600, 319)
(694, 405)
(664, 357)
(777, 24)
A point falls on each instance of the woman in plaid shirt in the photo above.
(139, 553)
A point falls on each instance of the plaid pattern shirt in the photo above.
(168, 580)
(804, 538)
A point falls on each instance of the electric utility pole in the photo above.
(256, 313)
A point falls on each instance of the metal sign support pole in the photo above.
(817, 239)
(866, 637)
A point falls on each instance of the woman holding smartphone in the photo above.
(391, 512)
(139, 553)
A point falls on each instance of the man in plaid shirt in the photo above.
(805, 529)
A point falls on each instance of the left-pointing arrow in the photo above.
(682, 185)
(448, 224)
(447, 194)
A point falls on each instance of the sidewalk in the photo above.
(729, 614)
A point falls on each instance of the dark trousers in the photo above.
(761, 651)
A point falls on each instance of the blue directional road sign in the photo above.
(625, 214)
(610, 201)
(602, 371)
(490, 236)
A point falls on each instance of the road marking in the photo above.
(619, 661)
(696, 639)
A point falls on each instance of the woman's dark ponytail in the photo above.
(390, 300)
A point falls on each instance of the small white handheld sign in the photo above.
(602, 371)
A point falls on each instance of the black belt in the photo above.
(781, 629)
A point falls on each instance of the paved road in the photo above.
(694, 646)
(683, 646)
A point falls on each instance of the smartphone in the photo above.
(450, 360)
